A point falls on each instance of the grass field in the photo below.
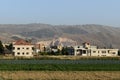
(59, 75)
(60, 67)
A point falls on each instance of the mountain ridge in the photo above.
(99, 35)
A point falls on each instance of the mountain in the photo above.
(62, 42)
(102, 36)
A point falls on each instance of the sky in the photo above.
(60, 12)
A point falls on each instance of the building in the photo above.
(23, 48)
(87, 50)
(42, 46)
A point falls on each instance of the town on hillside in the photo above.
(60, 46)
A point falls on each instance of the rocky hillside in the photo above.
(63, 42)
(103, 36)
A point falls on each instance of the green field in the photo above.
(59, 65)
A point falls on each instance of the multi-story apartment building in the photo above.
(23, 48)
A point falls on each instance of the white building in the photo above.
(87, 50)
(23, 48)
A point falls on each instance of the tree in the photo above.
(64, 51)
(52, 53)
(1, 48)
(59, 52)
(9, 47)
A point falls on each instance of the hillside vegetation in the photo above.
(102, 36)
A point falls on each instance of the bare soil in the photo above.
(59, 75)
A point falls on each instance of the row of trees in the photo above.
(64, 51)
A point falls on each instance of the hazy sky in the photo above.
(105, 12)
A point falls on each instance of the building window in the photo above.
(77, 50)
(84, 51)
(27, 48)
(23, 53)
(94, 51)
(33, 48)
(27, 53)
(18, 48)
(103, 52)
(113, 53)
(23, 48)
(18, 53)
